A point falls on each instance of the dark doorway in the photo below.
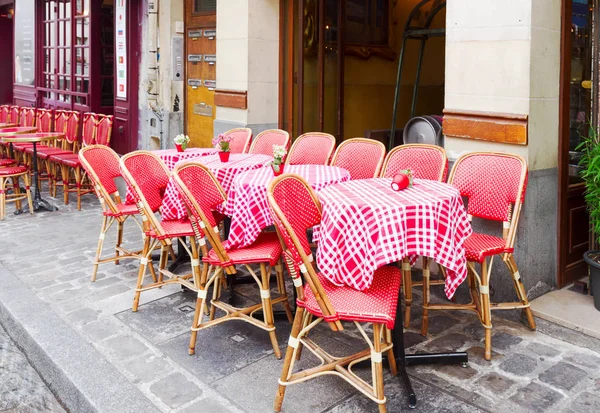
(6, 52)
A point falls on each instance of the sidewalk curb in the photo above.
(78, 375)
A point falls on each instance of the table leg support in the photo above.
(38, 202)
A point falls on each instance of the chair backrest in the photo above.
(88, 133)
(295, 208)
(424, 161)
(44, 120)
(102, 166)
(14, 114)
(241, 138)
(71, 128)
(313, 148)
(104, 124)
(494, 185)
(202, 193)
(4, 114)
(147, 176)
(27, 117)
(264, 141)
(361, 157)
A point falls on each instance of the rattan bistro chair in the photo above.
(14, 173)
(295, 208)
(264, 141)
(148, 176)
(361, 157)
(66, 122)
(313, 148)
(494, 185)
(102, 166)
(425, 162)
(241, 139)
(202, 193)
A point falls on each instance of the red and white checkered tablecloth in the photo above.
(247, 203)
(173, 207)
(366, 224)
(171, 156)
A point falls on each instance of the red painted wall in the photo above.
(6, 60)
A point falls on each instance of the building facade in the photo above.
(511, 76)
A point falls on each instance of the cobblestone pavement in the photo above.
(552, 369)
(21, 388)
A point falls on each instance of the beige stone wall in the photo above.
(504, 56)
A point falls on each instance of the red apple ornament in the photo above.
(402, 180)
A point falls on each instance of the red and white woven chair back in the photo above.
(361, 157)
(4, 114)
(425, 162)
(88, 134)
(44, 120)
(201, 193)
(27, 117)
(102, 165)
(313, 148)
(492, 183)
(241, 139)
(264, 141)
(71, 126)
(14, 114)
(104, 129)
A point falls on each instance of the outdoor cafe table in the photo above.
(15, 130)
(34, 139)
(365, 225)
(173, 207)
(247, 203)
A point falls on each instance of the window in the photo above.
(205, 6)
(24, 42)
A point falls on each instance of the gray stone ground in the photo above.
(234, 370)
(21, 388)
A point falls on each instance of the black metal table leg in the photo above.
(38, 201)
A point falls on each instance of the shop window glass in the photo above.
(205, 6)
(24, 42)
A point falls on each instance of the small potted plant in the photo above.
(279, 153)
(590, 173)
(221, 143)
(181, 142)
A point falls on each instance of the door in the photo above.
(6, 54)
(201, 73)
(577, 111)
(126, 69)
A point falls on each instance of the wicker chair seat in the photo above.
(124, 209)
(46, 153)
(67, 159)
(266, 248)
(7, 162)
(375, 305)
(173, 229)
(12, 170)
(479, 246)
(22, 146)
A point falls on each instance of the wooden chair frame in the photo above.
(306, 136)
(248, 131)
(304, 323)
(364, 140)
(214, 274)
(67, 145)
(110, 215)
(258, 137)
(479, 283)
(150, 222)
(16, 196)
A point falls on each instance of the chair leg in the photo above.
(119, 239)
(426, 299)
(520, 288)
(78, 183)
(99, 248)
(28, 192)
(289, 355)
(64, 172)
(407, 276)
(200, 304)
(141, 272)
(265, 295)
(484, 290)
(282, 290)
(2, 198)
(17, 192)
(377, 366)
(390, 353)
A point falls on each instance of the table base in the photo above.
(37, 205)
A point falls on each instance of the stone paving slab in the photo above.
(234, 369)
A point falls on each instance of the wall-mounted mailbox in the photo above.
(194, 34)
(210, 33)
(210, 84)
(194, 58)
(210, 58)
(203, 109)
(194, 83)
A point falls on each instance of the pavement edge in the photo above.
(62, 357)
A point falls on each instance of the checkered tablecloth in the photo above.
(247, 203)
(171, 156)
(365, 225)
(173, 207)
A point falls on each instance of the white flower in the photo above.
(181, 139)
(279, 151)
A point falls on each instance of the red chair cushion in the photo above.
(20, 147)
(7, 162)
(174, 229)
(124, 209)
(29, 149)
(69, 159)
(266, 248)
(13, 170)
(375, 305)
(479, 246)
(46, 153)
